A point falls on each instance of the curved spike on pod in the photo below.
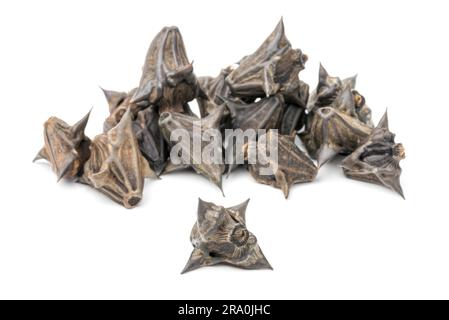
(114, 98)
(116, 166)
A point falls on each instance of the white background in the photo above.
(334, 238)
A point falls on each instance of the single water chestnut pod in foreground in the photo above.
(220, 236)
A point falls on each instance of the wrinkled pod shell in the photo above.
(66, 147)
(220, 236)
(116, 166)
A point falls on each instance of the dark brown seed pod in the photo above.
(263, 114)
(341, 95)
(330, 132)
(149, 136)
(273, 68)
(167, 78)
(220, 236)
(65, 147)
(377, 160)
(202, 162)
(116, 167)
(292, 166)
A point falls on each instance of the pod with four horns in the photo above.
(220, 236)
(377, 159)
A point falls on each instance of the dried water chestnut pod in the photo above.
(272, 69)
(167, 78)
(263, 114)
(66, 147)
(330, 132)
(150, 139)
(116, 167)
(220, 236)
(145, 125)
(208, 164)
(377, 160)
(115, 99)
(339, 94)
(292, 165)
